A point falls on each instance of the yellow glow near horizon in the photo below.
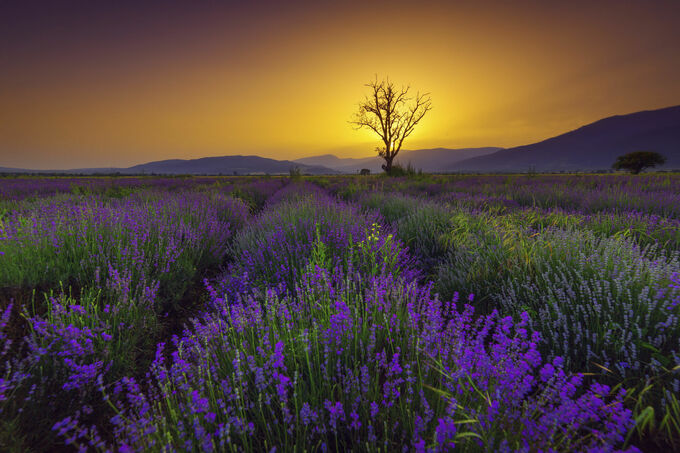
(287, 85)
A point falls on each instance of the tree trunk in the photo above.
(387, 166)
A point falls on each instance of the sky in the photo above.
(109, 84)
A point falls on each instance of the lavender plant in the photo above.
(355, 364)
(144, 238)
(277, 245)
(606, 306)
(131, 259)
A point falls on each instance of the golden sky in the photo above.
(84, 85)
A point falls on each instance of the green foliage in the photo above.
(398, 170)
(295, 173)
(351, 191)
(80, 190)
(118, 192)
(391, 207)
(481, 251)
(423, 230)
(377, 253)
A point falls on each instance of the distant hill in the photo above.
(591, 147)
(331, 161)
(227, 165)
(427, 160)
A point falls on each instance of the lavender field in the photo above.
(338, 313)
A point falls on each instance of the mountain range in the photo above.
(224, 165)
(592, 147)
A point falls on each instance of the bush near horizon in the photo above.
(637, 161)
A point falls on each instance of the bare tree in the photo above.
(392, 114)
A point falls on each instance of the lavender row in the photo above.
(657, 194)
(604, 299)
(109, 274)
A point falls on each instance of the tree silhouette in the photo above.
(392, 114)
(637, 161)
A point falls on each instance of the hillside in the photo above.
(227, 165)
(591, 147)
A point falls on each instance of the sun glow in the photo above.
(199, 83)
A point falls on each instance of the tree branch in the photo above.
(391, 115)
